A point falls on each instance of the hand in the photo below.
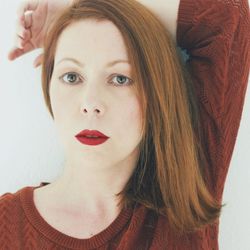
(34, 17)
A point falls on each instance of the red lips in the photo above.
(85, 137)
(87, 132)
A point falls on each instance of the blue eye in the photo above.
(70, 78)
(120, 77)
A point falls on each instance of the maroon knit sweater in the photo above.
(216, 35)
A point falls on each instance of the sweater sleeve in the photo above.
(216, 36)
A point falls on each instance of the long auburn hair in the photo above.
(171, 176)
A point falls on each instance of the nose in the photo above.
(92, 106)
(92, 99)
(91, 110)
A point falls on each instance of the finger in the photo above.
(24, 13)
(22, 42)
(28, 19)
(14, 53)
(26, 6)
(19, 42)
(25, 34)
(38, 61)
(20, 27)
(21, 31)
(17, 52)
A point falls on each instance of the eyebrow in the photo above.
(110, 64)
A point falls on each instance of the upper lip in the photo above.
(87, 132)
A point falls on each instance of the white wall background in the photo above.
(31, 153)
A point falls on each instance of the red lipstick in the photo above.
(91, 137)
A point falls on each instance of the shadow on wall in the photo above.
(184, 53)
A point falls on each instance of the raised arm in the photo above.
(30, 28)
(33, 19)
(216, 35)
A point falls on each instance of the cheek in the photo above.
(59, 94)
(133, 115)
(135, 110)
(54, 99)
(57, 99)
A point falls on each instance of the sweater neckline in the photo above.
(35, 218)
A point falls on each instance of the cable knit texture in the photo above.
(216, 36)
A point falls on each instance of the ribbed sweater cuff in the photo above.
(186, 11)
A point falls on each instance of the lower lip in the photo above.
(91, 141)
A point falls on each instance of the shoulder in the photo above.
(7, 199)
(10, 197)
(10, 211)
(10, 220)
(10, 204)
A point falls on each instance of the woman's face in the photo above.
(88, 92)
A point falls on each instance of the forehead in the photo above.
(90, 40)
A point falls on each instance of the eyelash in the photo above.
(74, 73)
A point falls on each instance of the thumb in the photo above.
(38, 61)
(17, 52)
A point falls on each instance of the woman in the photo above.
(155, 180)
